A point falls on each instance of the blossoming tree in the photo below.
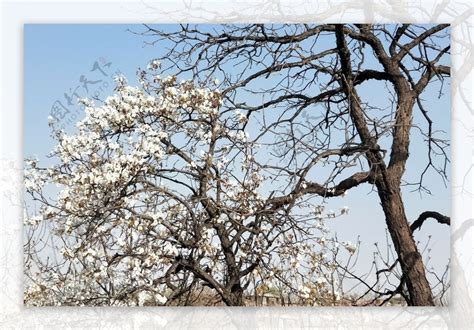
(160, 195)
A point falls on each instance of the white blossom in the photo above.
(154, 65)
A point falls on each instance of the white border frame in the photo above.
(13, 14)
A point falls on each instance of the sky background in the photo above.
(57, 56)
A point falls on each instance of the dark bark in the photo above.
(410, 259)
(235, 297)
(429, 214)
(388, 179)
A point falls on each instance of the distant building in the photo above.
(265, 299)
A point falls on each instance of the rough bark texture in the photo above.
(236, 296)
(410, 259)
(388, 179)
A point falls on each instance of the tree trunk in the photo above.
(235, 297)
(410, 259)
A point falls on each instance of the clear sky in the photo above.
(59, 60)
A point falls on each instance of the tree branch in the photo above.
(315, 188)
(429, 214)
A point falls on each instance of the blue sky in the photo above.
(56, 56)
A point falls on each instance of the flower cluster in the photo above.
(153, 178)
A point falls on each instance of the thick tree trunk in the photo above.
(410, 259)
(388, 179)
(235, 297)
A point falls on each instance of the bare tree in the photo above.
(306, 97)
